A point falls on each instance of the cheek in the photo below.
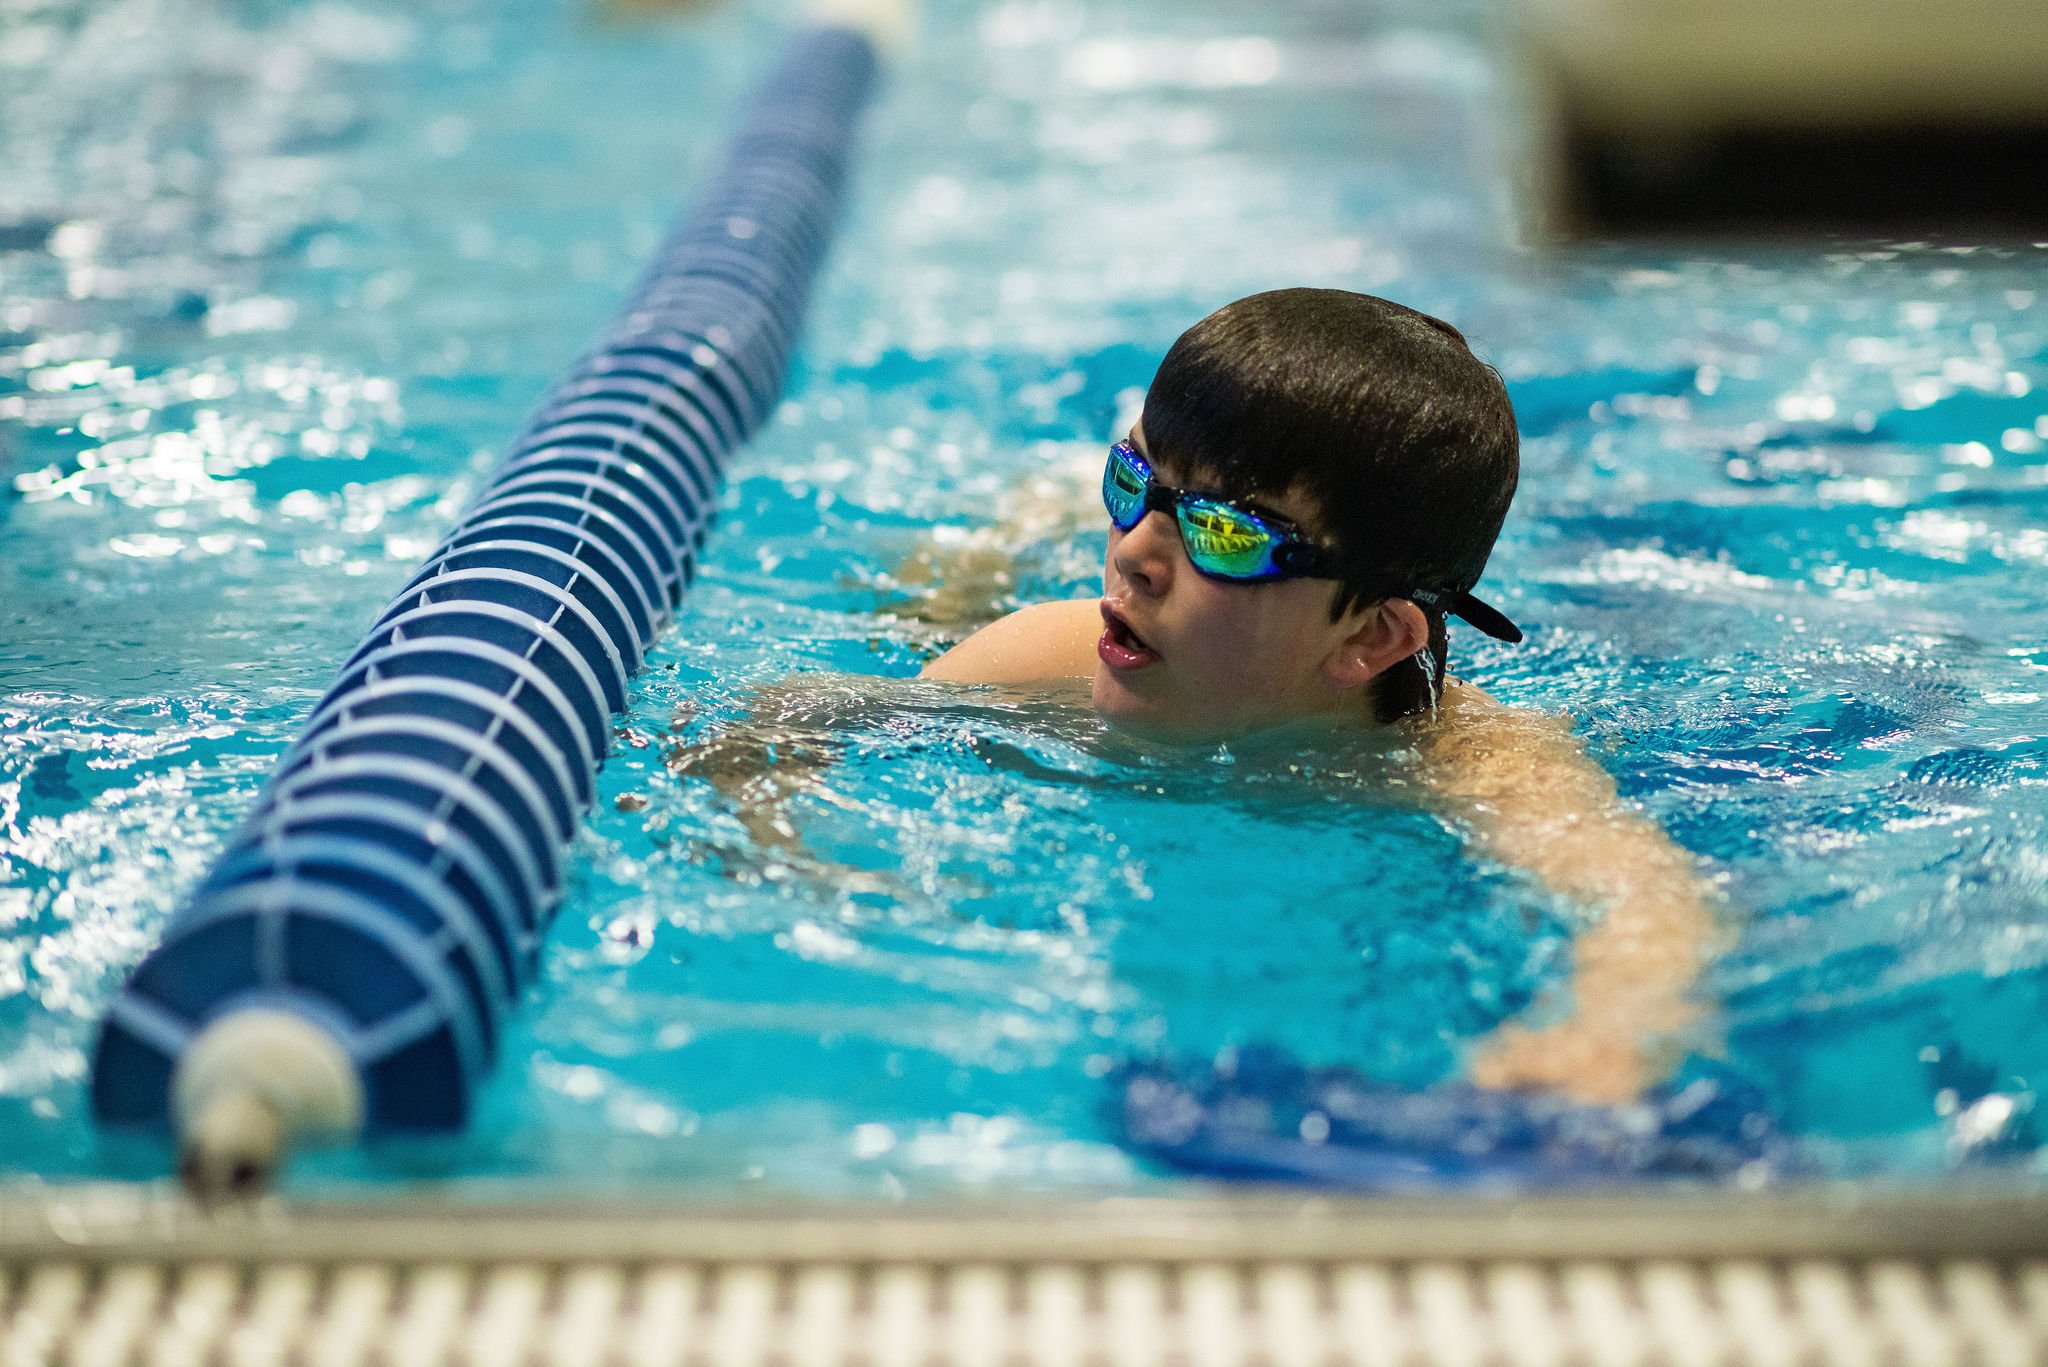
(1238, 640)
(1263, 645)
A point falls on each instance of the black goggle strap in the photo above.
(1482, 616)
(1300, 558)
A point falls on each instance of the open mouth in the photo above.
(1121, 647)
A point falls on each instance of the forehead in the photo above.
(1293, 505)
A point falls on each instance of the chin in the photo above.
(1123, 707)
(1132, 711)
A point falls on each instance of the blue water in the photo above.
(276, 280)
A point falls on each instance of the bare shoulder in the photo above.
(1043, 641)
(1479, 747)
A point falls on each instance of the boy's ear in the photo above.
(1375, 640)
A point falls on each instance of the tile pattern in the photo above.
(1158, 1313)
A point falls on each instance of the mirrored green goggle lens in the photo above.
(1223, 540)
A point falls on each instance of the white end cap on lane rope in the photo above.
(252, 1084)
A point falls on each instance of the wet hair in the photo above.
(1401, 438)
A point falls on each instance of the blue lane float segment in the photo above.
(396, 876)
(1261, 1116)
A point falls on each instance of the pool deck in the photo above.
(1825, 1274)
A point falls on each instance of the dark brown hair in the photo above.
(1403, 439)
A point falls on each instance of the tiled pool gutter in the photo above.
(1820, 1276)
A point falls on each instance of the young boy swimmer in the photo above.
(1314, 485)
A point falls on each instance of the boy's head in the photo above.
(1374, 429)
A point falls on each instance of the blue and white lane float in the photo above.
(346, 965)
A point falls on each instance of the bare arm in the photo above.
(758, 766)
(778, 753)
(966, 576)
(795, 729)
(1534, 800)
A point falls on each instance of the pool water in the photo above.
(277, 280)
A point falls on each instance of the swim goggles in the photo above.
(1228, 541)
(1224, 540)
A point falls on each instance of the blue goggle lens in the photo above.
(1123, 488)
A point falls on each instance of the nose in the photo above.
(1146, 556)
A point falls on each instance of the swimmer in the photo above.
(1311, 491)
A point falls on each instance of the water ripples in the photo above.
(274, 285)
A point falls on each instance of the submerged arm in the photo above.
(782, 752)
(1533, 799)
(967, 576)
(779, 752)
(758, 767)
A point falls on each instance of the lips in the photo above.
(1121, 648)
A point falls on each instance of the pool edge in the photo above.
(109, 1222)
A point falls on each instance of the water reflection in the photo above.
(276, 282)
